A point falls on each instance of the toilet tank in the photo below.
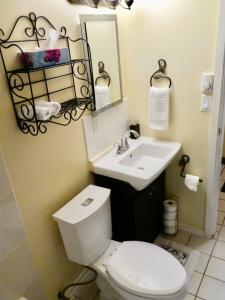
(85, 224)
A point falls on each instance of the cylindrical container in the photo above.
(170, 223)
(170, 215)
(170, 205)
(134, 126)
(170, 230)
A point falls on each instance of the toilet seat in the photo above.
(146, 270)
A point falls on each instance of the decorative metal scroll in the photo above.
(162, 69)
(22, 85)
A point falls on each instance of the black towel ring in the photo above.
(162, 69)
(103, 74)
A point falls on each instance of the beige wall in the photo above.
(224, 146)
(49, 169)
(183, 33)
(46, 170)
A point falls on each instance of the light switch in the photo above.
(206, 103)
(207, 82)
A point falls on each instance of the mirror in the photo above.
(101, 32)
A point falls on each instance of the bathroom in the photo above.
(40, 174)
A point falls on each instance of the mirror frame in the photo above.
(84, 18)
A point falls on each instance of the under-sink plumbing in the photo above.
(122, 145)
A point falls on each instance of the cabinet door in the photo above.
(148, 208)
(121, 198)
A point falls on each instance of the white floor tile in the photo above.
(219, 250)
(220, 217)
(202, 244)
(221, 205)
(216, 234)
(194, 282)
(221, 235)
(202, 263)
(216, 269)
(212, 289)
(189, 297)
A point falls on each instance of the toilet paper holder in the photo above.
(185, 160)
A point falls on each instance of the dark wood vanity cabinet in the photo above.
(136, 215)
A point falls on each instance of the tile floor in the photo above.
(208, 280)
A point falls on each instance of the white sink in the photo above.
(145, 160)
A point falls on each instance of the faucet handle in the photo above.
(117, 147)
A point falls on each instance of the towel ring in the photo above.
(103, 74)
(162, 69)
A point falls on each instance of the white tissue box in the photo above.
(44, 58)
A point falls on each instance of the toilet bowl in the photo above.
(129, 270)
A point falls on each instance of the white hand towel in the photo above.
(27, 112)
(159, 108)
(54, 106)
(102, 96)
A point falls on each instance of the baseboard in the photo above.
(192, 230)
(223, 160)
(87, 292)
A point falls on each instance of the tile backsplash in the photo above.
(105, 129)
(18, 275)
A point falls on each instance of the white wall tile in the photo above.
(8, 209)
(11, 236)
(104, 130)
(17, 272)
(6, 293)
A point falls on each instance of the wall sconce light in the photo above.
(110, 3)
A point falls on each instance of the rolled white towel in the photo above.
(54, 106)
(26, 112)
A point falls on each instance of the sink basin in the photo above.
(145, 160)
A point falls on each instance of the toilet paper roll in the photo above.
(170, 215)
(170, 205)
(169, 223)
(170, 230)
(191, 181)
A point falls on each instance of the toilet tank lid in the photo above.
(83, 205)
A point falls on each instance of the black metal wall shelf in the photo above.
(71, 83)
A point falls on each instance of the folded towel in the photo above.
(102, 96)
(159, 108)
(54, 106)
(26, 112)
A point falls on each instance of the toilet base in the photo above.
(106, 291)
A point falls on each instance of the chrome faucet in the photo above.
(123, 144)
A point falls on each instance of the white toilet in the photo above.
(129, 270)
